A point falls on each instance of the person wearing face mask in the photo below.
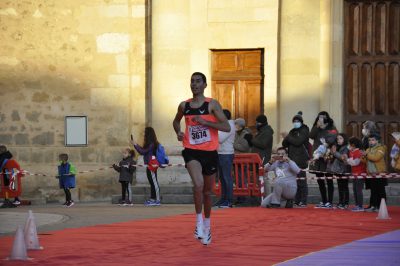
(375, 160)
(285, 186)
(323, 128)
(296, 142)
(262, 141)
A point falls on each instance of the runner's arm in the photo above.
(177, 121)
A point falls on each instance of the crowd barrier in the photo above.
(247, 170)
(10, 180)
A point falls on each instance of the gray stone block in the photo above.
(46, 138)
(6, 138)
(15, 115)
(21, 139)
(33, 116)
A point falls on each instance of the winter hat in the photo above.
(298, 117)
(262, 119)
(240, 122)
(396, 135)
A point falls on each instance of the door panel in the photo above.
(372, 66)
(237, 82)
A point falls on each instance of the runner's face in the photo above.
(197, 85)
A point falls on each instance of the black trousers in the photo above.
(124, 189)
(344, 194)
(302, 189)
(377, 192)
(67, 194)
(322, 188)
(154, 187)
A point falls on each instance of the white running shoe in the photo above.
(199, 231)
(206, 240)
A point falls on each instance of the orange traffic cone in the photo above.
(383, 211)
(18, 251)
(30, 234)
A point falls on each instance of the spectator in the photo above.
(242, 144)
(262, 141)
(369, 127)
(375, 160)
(357, 168)
(285, 186)
(323, 128)
(296, 142)
(395, 152)
(225, 156)
(243, 137)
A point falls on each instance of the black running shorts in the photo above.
(207, 159)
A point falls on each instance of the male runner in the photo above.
(203, 118)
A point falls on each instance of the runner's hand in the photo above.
(180, 136)
(199, 120)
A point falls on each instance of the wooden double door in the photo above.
(372, 66)
(237, 82)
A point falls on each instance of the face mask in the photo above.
(258, 125)
(372, 144)
(297, 124)
(365, 132)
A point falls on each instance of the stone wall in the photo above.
(60, 58)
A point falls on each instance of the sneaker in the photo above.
(372, 209)
(16, 202)
(302, 205)
(148, 202)
(154, 203)
(206, 240)
(357, 209)
(122, 203)
(328, 205)
(219, 202)
(128, 203)
(70, 204)
(340, 206)
(199, 231)
(321, 205)
(65, 203)
(273, 206)
(225, 204)
(345, 207)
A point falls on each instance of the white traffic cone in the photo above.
(30, 234)
(383, 212)
(18, 251)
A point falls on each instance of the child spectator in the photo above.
(375, 160)
(395, 152)
(339, 167)
(148, 150)
(66, 178)
(6, 155)
(357, 168)
(125, 168)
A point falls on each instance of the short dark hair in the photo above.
(227, 113)
(3, 148)
(203, 77)
(282, 149)
(356, 142)
(63, 157)
(375, 136)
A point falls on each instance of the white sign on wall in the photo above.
(76, 133)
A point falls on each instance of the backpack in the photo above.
(161, 156)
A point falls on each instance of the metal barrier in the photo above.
(10, 180)
(246, 170)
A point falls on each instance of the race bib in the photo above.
(199, 134)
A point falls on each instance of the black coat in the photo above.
(297, 144)
(125, 168)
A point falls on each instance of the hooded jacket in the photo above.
(262, 142)
(296, 142)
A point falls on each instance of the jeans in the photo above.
(225, 175)
(358, 185)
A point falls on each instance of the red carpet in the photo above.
(241, 236)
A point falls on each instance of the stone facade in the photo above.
(60, 58)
